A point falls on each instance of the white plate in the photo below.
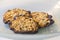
(50, 6)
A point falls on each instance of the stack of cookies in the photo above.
(23, 21)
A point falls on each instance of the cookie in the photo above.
(11, 14)
(24, 25)
(42, 18)
(25, 22)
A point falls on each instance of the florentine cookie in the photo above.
(22, 21)
(42, 18)
(24, 25)
(11, 14)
